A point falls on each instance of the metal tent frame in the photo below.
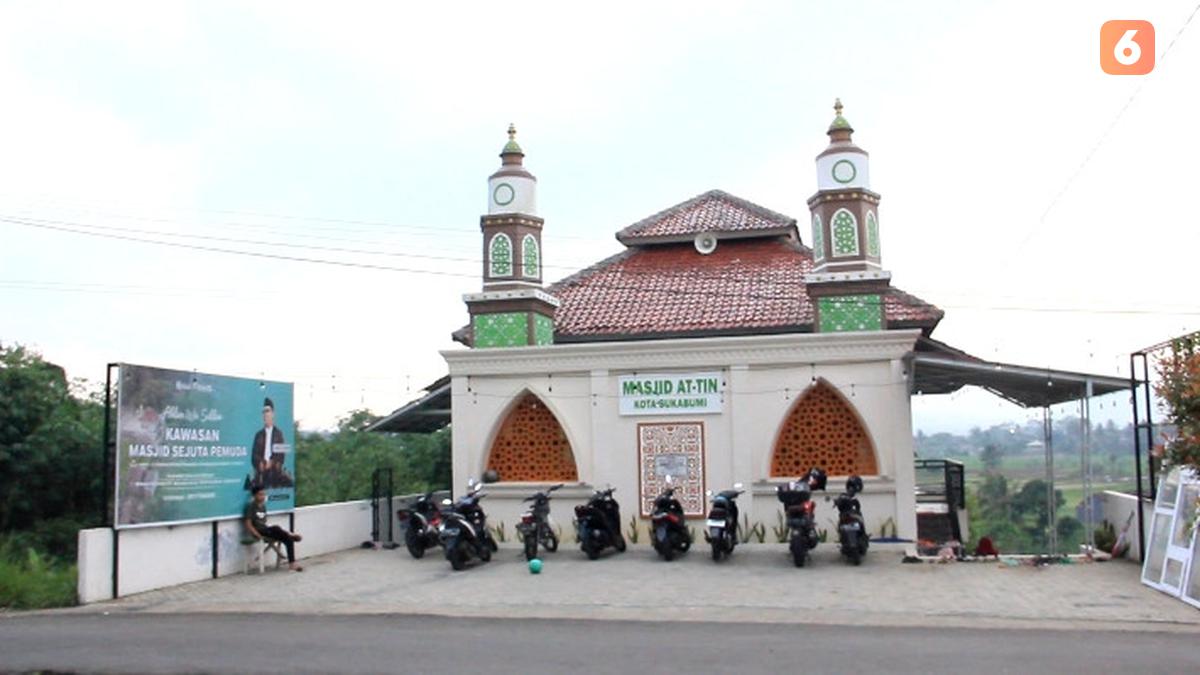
(936, 369)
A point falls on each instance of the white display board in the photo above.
(1174, 547)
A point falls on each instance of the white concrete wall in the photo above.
(1116, 509)
(764, 376)
(158, 557)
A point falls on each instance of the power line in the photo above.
(1101, 140)
(676, 282)
(215, 249)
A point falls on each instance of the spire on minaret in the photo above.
(839, 130)
(511, 150)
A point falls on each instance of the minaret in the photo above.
(848, 282)
(512, 310)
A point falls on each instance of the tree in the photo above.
(50, 452)
(339, 466)
(990, 457)
(1179, 389)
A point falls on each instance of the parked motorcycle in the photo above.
(799, 511)
(598, 524)
(535, 524)
(421, 521)
(852, 529)
(671, 535)
(721, 526)
(464, 530)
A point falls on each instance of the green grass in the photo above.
(29, 580)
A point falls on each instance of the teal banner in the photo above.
(190, 446)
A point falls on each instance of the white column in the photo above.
(903, 450)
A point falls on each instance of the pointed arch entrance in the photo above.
(823, 430)
(532, 446)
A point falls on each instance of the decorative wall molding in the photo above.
(797, 348)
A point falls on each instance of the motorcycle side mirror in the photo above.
(470, 483)
(708, 493)
(447, 502)
(738, 486)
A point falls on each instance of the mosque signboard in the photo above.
(671, 393)
(189, 446)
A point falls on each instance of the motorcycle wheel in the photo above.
(485, 553)
(458, 559)
(799, 551)
(685, 544)
(668, 552)
(412, 540)
(619, 543)
(716, 550)
(591, 550)
(530, 546)
(550, 541)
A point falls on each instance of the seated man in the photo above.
(256, 525)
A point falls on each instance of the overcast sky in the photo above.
(364, 134)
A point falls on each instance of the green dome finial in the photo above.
(511, 147)
(839, 122)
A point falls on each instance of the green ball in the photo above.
(535, 566)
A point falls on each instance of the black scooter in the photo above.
(852, 529)
(799, 511)
(721, 527)
(464, 529)
(671, 535)
(598, 524)
(421, 521)
(535, 524)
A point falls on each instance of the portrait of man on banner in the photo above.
(269, 451)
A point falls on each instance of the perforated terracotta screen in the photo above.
(532, 446)
(821, 430)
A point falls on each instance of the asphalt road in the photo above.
(272, 643)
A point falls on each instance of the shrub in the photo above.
(29, 580)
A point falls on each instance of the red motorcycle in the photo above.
(799, 510)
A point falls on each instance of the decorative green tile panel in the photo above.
(872, 235)
(500, 256)
(543, 330)
(818, 239)
(845, 234)
(531, 259)
(842, 313)
(507, 329)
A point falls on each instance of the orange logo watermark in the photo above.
(1127, 47)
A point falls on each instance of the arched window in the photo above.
(532, 446)
(531, 258)
(845, 233)
(500, 260)
(818, 238)
(822, 430)
(872, 235)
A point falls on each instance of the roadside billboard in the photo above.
(191, 445)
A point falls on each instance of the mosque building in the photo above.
(718, 348)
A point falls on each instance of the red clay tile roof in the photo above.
(752, 283)
(714, 211)
(745, 286)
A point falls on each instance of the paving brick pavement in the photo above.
(759, 584)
